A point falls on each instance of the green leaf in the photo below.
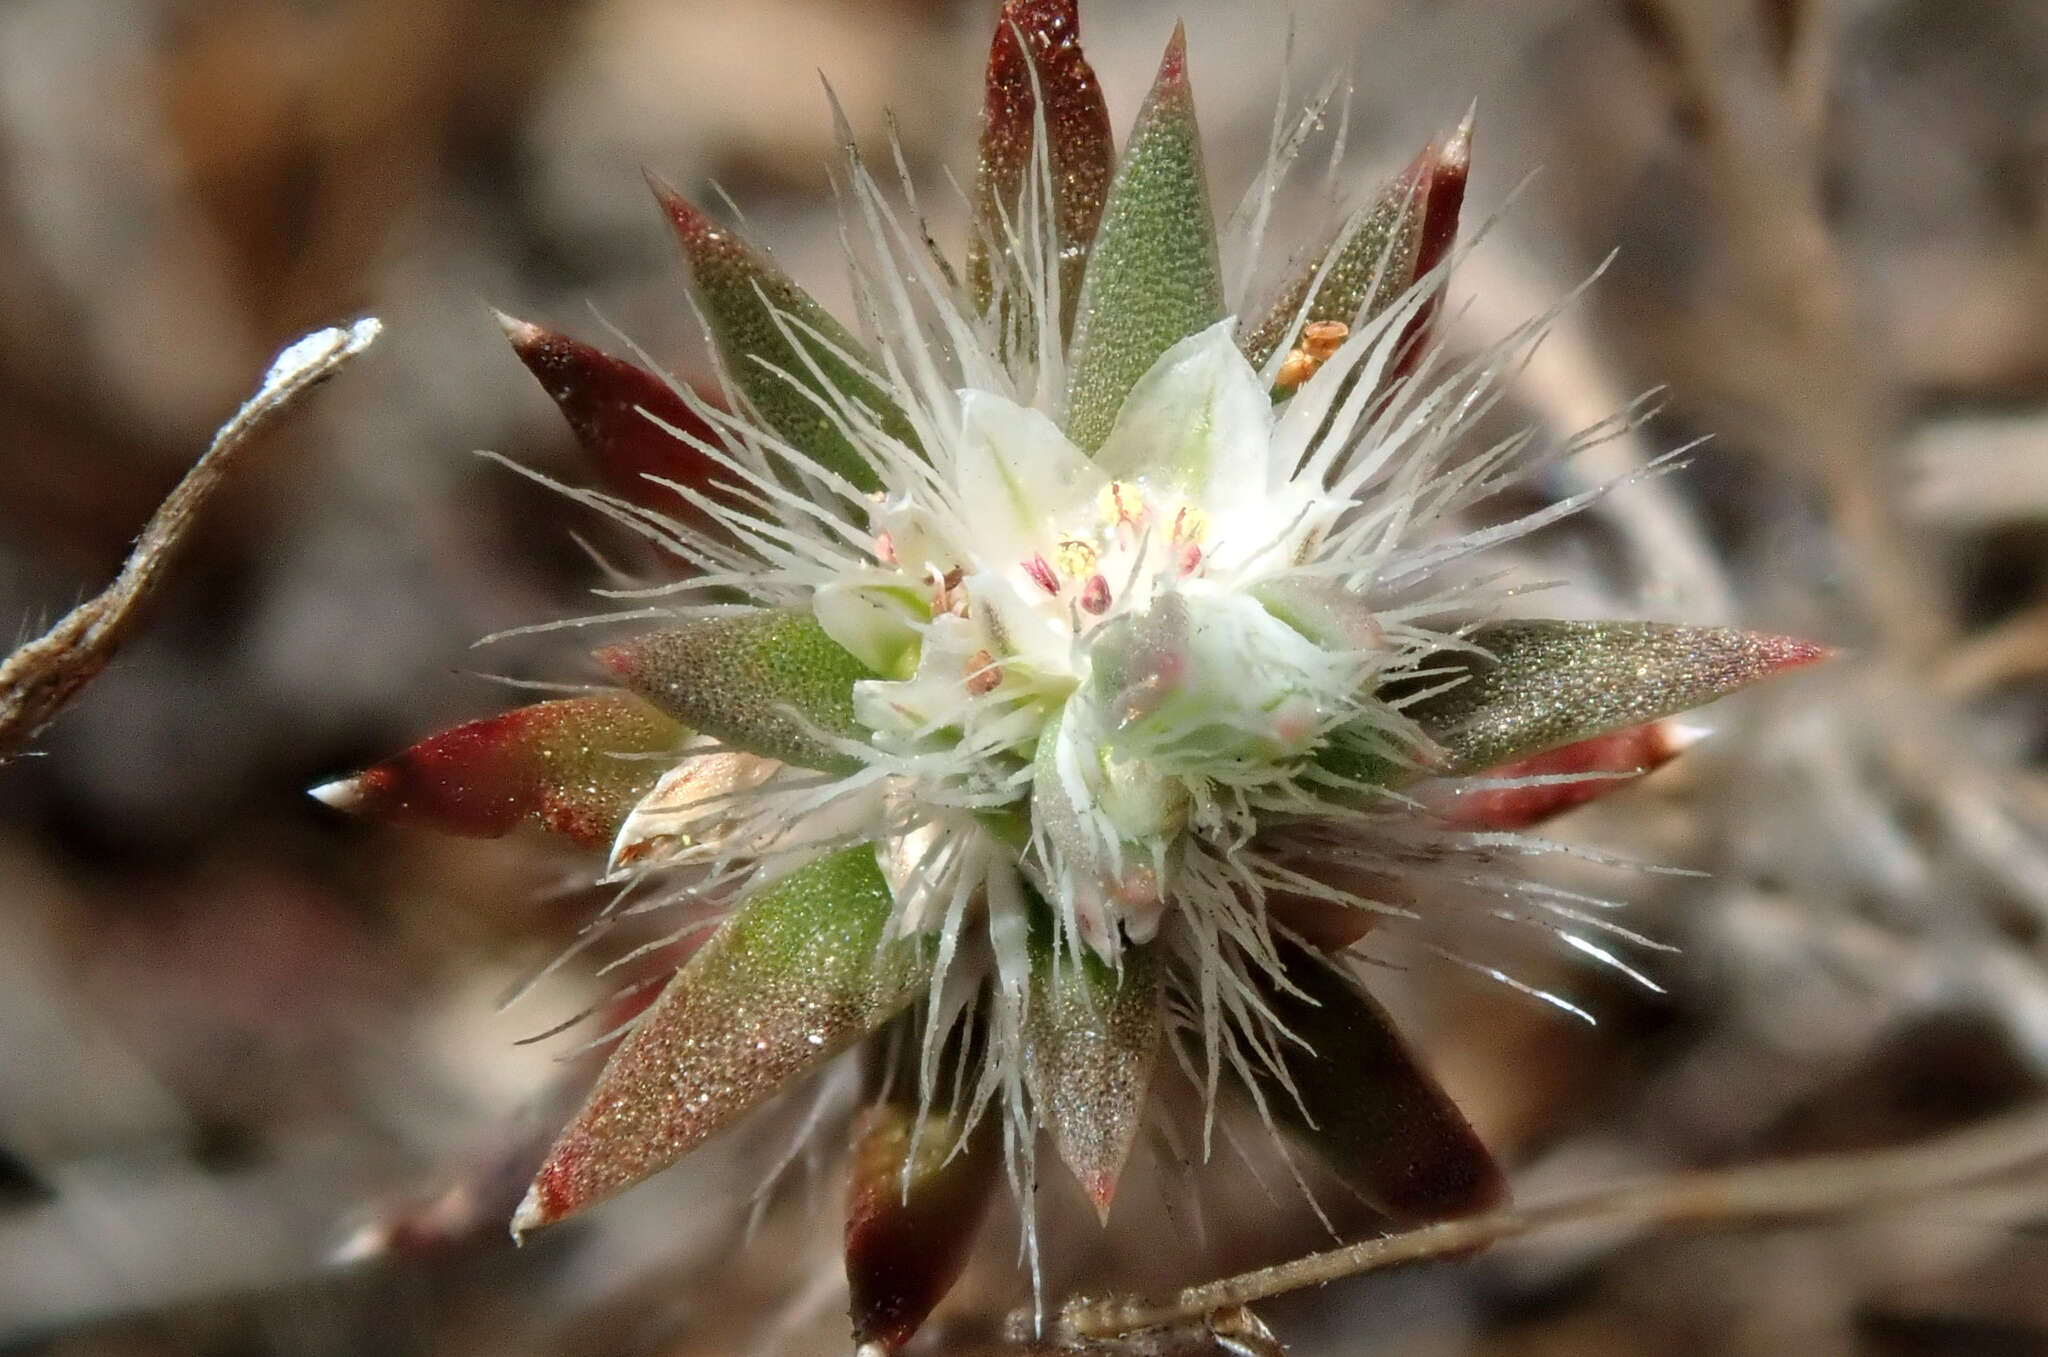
(1543, 684)
(1153, 275)
(1373, 1114)
(1092, 1038)
(757, 681)
(796, 974)
(742, 294)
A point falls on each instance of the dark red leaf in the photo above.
(607, 402)
(908, 1236)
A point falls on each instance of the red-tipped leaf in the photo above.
(782, 349)
(1092, 1041)
(576, 766)
(608, 403)
(1080, 146)
(796, 974)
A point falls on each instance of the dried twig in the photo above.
(37, 680)
(1803, 1189)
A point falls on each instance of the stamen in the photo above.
(1095, 595)
(885, 549)
(1320, 340)
(947, 596)
(1076, 558)
(1122, 505)
(1041, 574)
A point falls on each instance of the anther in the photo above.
(1095, 595)
(984, 675)
(1075, 558)
(1320, 340)
(1121, 504)
(1041, 574)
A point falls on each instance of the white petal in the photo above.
(877, 626)
(1017, 475)
(695, 802)
(1200, 420)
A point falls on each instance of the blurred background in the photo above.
(256, 1094)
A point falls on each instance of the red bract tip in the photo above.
(1173, 66)
(1036, 54)
(1791, 652)
(689, 220)
(1441, 189)
(911, 1216)
(558, 765)
(613, 407)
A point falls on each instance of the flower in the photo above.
(1063, 679)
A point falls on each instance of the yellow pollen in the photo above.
(1122, 504)
(1075, 558)
(1190, 525)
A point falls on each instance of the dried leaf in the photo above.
(761, 682)
(1153, 276)
(796, 974)
(566, 766)
(39, 678)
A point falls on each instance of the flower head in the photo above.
(1065, 676)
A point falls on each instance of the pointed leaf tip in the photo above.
(1154, 277)
(565, 766)
(1445, 170)
(1542, 684)
(607, 403)
(762, 682)
(1092, 1042)
(780, 348)
(798, 972)
(1080, 148)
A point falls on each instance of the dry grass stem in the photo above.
(1801, 1189)
(37, 680)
